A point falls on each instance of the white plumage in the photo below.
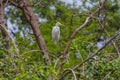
(56, 32)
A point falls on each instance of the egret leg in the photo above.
(59, 48)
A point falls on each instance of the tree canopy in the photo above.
(88, 47)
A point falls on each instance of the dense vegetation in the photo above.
(29, 62)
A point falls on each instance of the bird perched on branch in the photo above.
(56, 32)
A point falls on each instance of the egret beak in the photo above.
(61, 25)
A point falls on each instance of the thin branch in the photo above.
(30, 52)
(14, 3)
(72, 71)
(56, 62)
(80, 56)
(2, 22)
(114, 44)
(85, 24)
(111, 72)
(13, 42)
(6, 3)
(71, 24)
(102, 26)
(91, 56)
(81, 15)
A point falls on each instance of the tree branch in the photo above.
(91, 56)
(14, 3)
(72, 71)
(85, 24)
(5, 36)
(6, 3)
(13, 42)
(113, 43)
(32, 19)
(110, 72)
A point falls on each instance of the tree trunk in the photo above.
(32, 19)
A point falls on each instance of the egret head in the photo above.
(59, 24)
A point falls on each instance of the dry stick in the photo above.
(114, 45)
(89, 57)
(13, 42)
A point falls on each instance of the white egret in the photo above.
(56, 32)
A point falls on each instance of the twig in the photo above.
(6, 3)
(30, 51)
(112, 71)
(13, 42)
(81, 15)
(81, 57)
(91, 56)
(71, 70)
(71, 24)
(14, 3)
(56, 62)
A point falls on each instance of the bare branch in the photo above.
(114, 44)
(14, 3)
(6, 38)
(72, 71)
(91, 56)
(85, 24)
(6, 3)
(13, 42)
(111, 72)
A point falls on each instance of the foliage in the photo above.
(30, 65)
